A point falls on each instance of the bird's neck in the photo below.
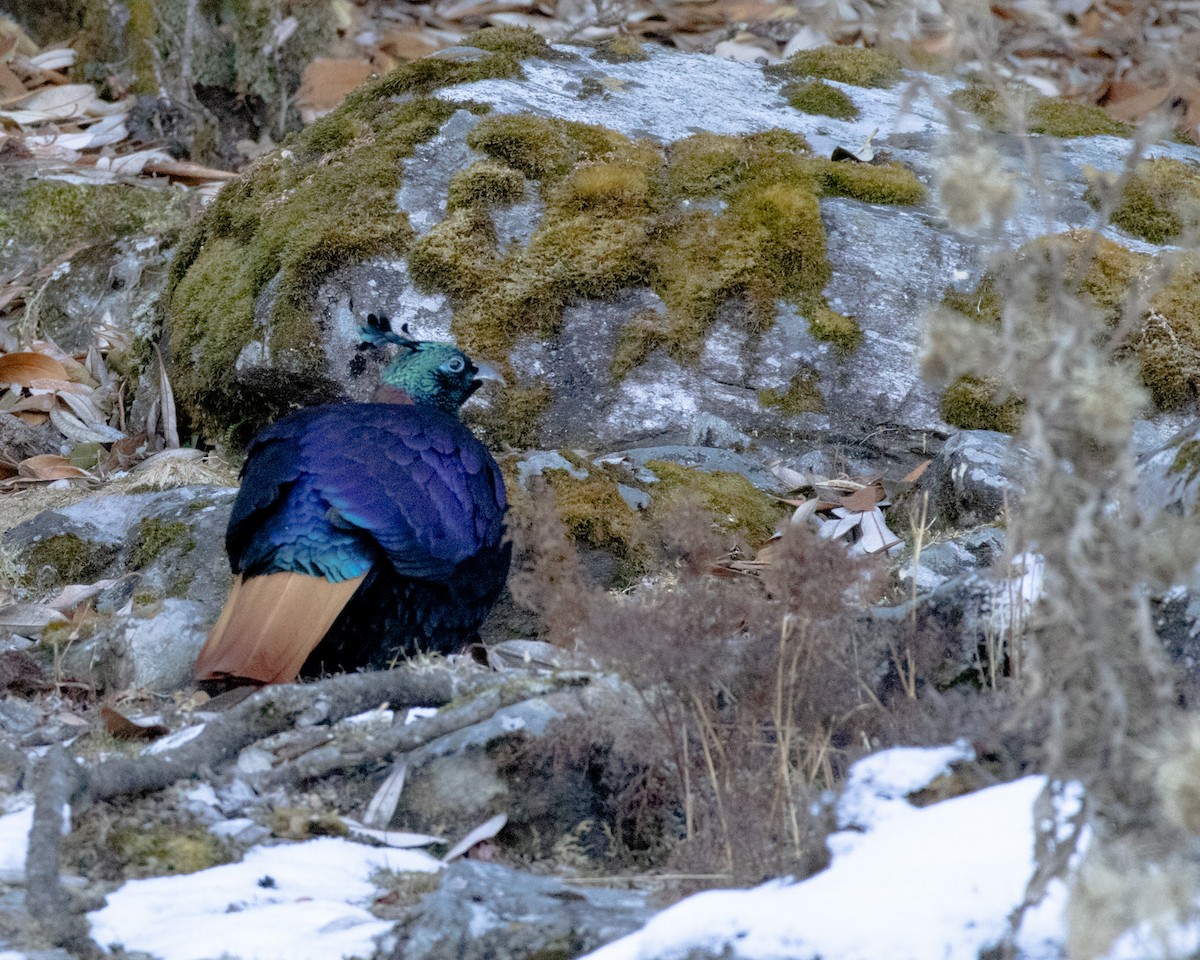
(386, 393)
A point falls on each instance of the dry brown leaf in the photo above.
(32, 418)
(24, 368)
(865, 498)
(10, 83)
(916, 472)
(327, 81)
(120, 726)
(49, 466)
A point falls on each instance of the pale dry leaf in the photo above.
(27, 618)
(401, 839)
(72, 595)
(485, 831)
(53, 59)
(383, 804)
(73, 428)
(166, 398)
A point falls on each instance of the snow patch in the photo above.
(304, 901)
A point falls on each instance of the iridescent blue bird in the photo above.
(364, 532)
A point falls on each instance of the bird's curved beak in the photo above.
(485, 371)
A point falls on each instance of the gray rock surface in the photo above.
(483, 911)
(974, 478)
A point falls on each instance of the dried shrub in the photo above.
(761, 691)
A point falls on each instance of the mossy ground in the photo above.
(971, 403)
(1051, 116)
(854, 65)
(1160, 200)
(738, 507)
(1164, 345)
(620, 49)
(66, 558)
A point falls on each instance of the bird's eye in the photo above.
(455, 364)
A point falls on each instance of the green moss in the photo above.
(429, 74)
(620, 49)
(1187, 460)
(163, 849)
(1168, 344)
(512, 418)
(853, 65)
(154, 536)
(831, 327)
(984, 101)
(768, 244)
(1062, 118)
(818, 97)
(971, 403)
(613, 218)
(299, 823)
(285, 221)
(1160, 198)
(544, 149)
(803, 395)
(984, 303)
(871, 183)
(710, 164)
(591, 87)
(66, 558)
(736, 504)
(518, 42)
(1051, 116)
(594, 512)
(485, 184)
(180, 585)
(54, 215)
(1165, 346)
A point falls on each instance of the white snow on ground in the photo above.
(906, 883)
(14, 837)
(932, 883)
(313, 907)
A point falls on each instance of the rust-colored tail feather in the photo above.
(270, 625)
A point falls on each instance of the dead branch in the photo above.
(401, 738)
(271, 710)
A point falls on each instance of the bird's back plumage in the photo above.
(390, 518)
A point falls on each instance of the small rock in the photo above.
(974, 478)
(483, 911)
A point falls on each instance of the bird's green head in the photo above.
(426, 372)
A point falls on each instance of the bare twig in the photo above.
(57, 781)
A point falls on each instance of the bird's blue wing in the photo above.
(414, 480)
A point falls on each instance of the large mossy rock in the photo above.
(644, 246)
